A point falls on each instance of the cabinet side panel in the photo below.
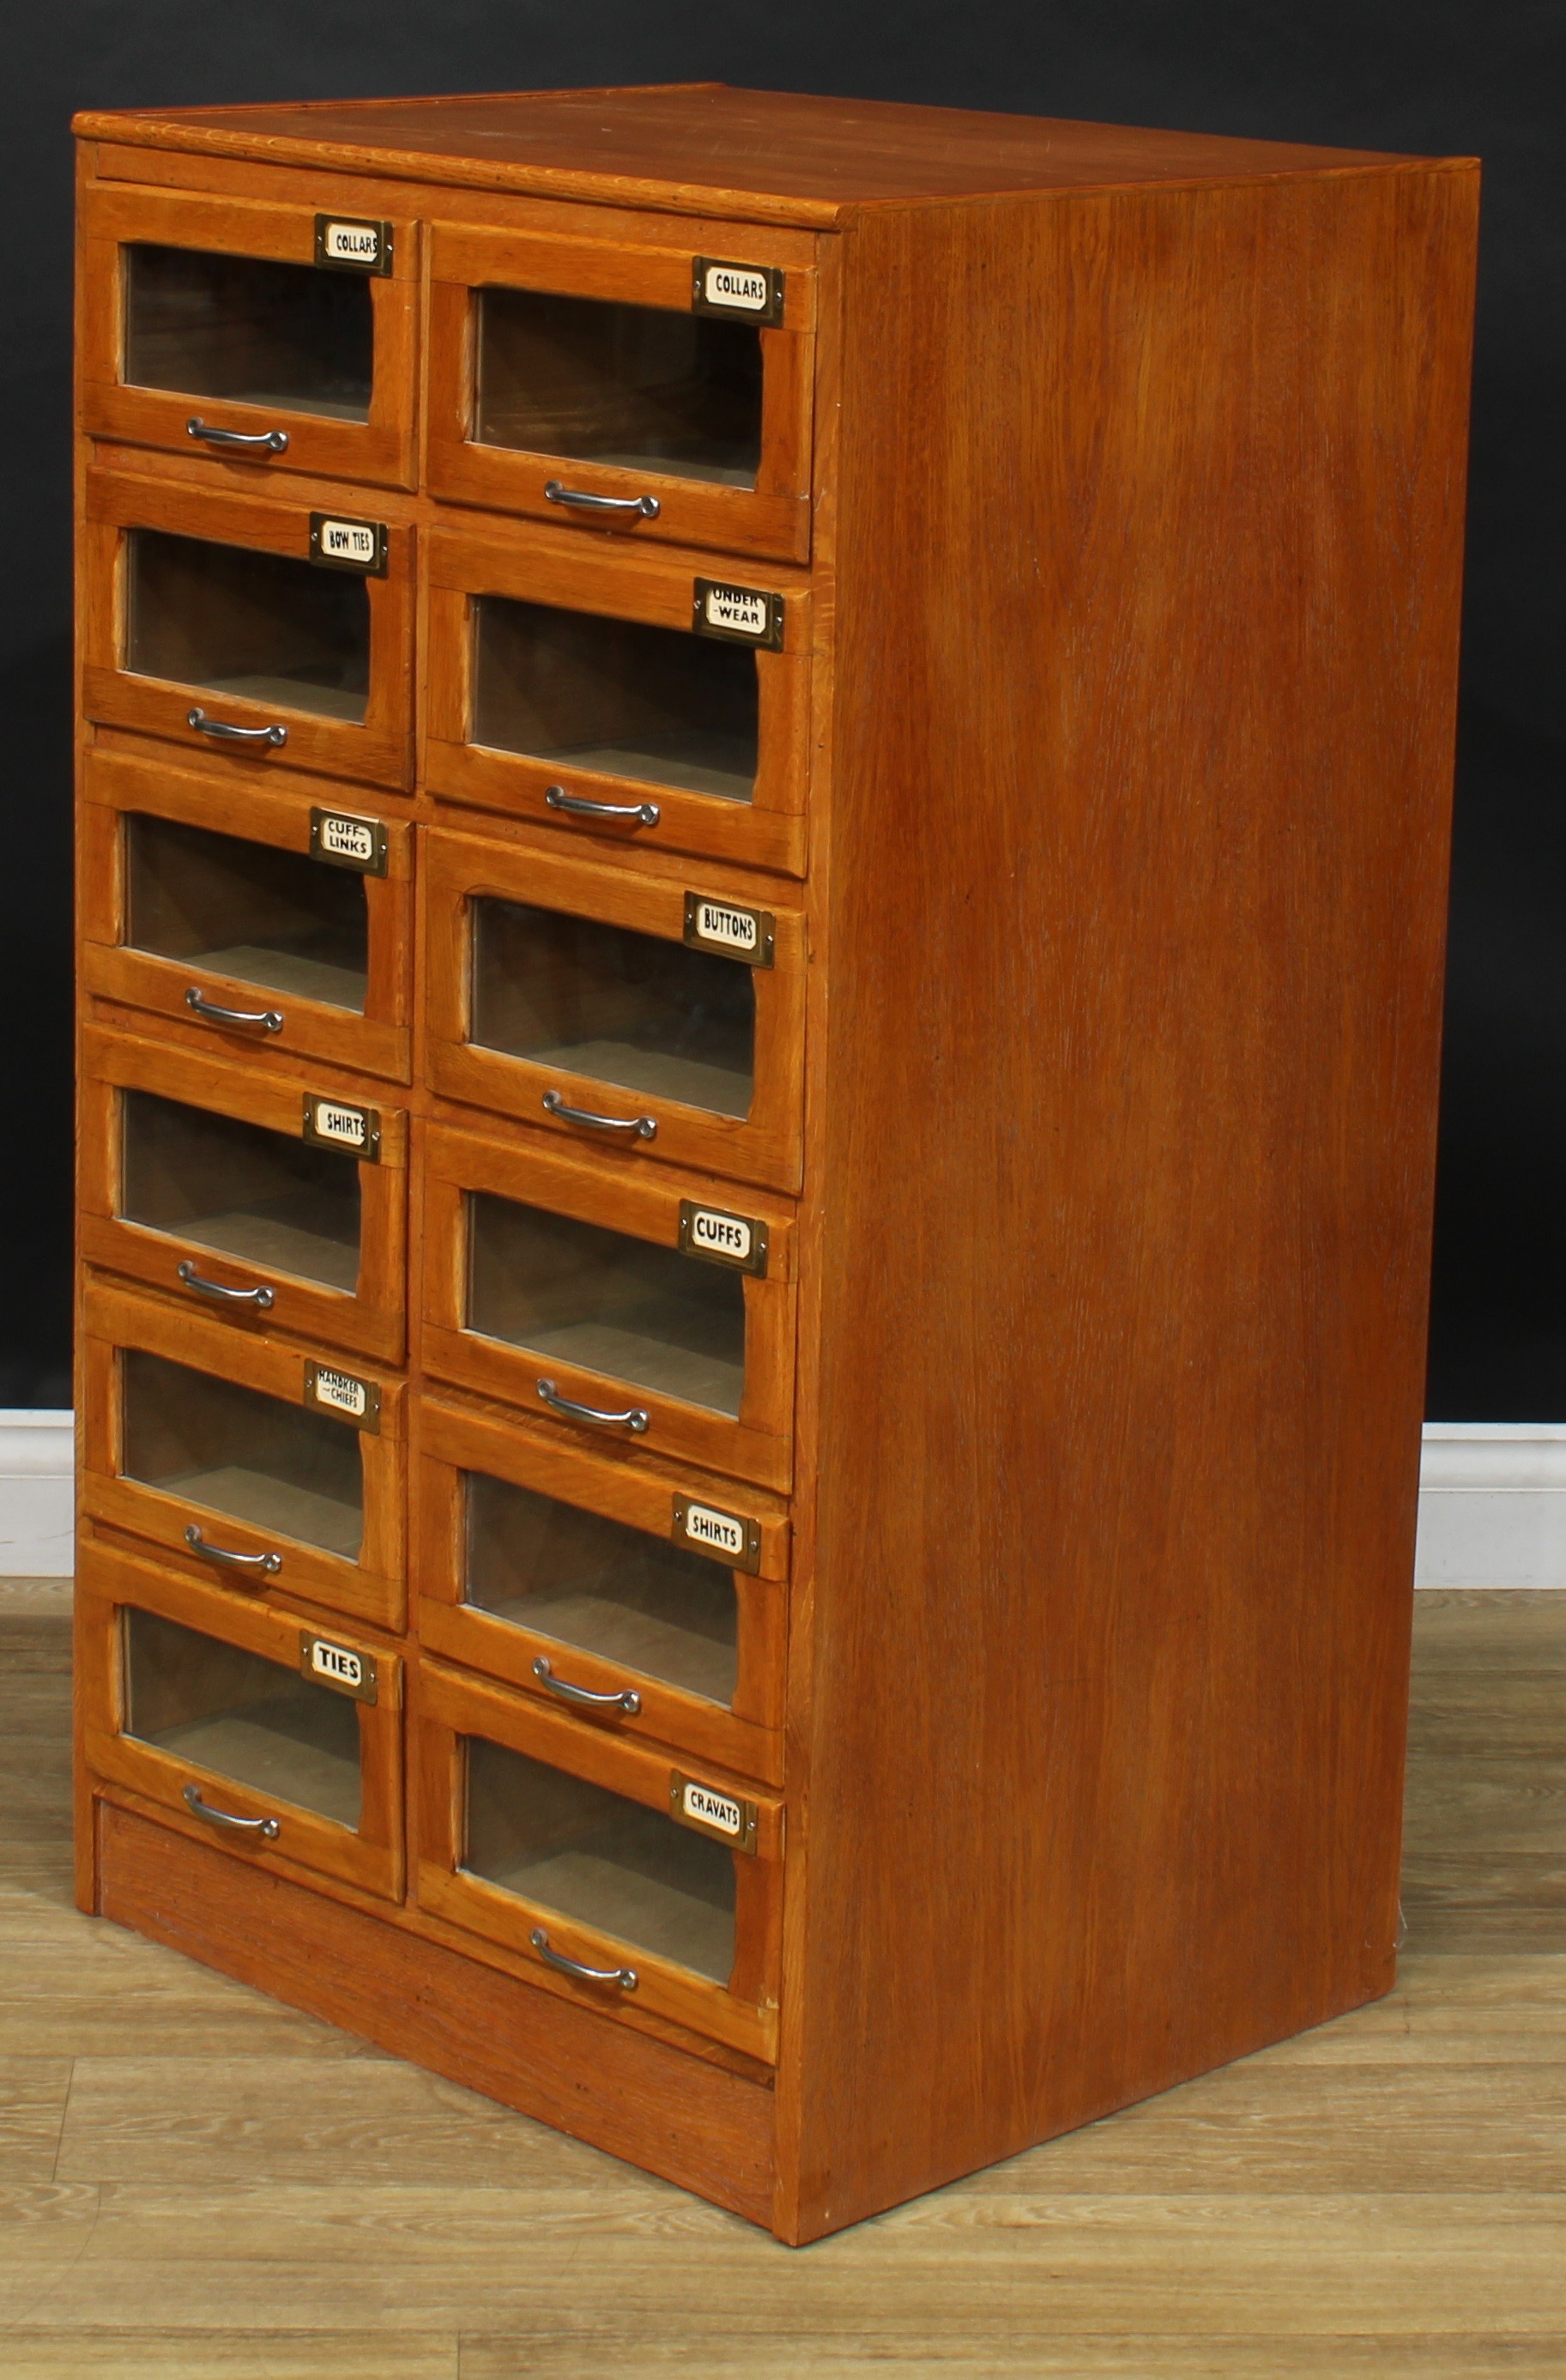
(1149, 565)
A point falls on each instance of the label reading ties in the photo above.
(755, 292)
(692, 1803)
(348, 544)
(741, 616)
(722, 1238)
(331, 1124)
(337, 1666)
(343, 841)
(343, 1394)
(347, 245)
(728, 1537)
(714, 925)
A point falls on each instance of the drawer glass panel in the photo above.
(634, 1010)
(278, 919)
(263, 625)
(597, 1298)
(242, 1716)
(600, 1860)
(635, 1599)
(237, 1450)
(615, 695)
(240, 1188)
(640, 386)
(248, 329)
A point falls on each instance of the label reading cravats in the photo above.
(742, 615)
(343, 1394)
(347, 842)
(719, 286)
(337, 1666)
(715, 924)
(347, 544)
(712, 1813)
(336, 1124)
(349, 246)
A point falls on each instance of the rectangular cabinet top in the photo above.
(700, 147)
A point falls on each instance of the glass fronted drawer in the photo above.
(661, 390)
(652, 1311)
(633, 1880)
(271, 1202)
(646, 1598)
(250, 628)
(264, 920)
(632, 698)
(274, 1469)
(256, 1730)
(626, 1009)
(275, 335)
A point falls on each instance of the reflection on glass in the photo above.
(241, 1188)
(629, 1009)
(275, 919)
(246, 328)
(641, 387)
(634, 1599)
(615, 697)
(585, 1295)
(237, 1450)
(593, 1856)
(252, 1719)
(263, 625)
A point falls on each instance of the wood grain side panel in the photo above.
(674, 2114)
(1147, 792)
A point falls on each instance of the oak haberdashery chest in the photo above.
(763, 797)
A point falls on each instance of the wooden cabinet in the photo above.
(763, 816)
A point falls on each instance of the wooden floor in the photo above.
(196, 2184)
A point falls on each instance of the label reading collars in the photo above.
(345, 245)
(343, 1394)
(692, 1803)
(337, 1666)
(331, 1124)
(741, 616)
(343, 841)
(728, 1537)
(347, 544)
(715, 924)
(753, 292)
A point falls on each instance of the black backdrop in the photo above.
(1470, 77)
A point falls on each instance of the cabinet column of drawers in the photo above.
(762, 827)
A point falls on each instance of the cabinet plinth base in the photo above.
(692, 2123)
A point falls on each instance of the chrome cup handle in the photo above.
(625, 1976)
(644, 508)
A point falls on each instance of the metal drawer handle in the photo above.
(633, 1418)
(267, 1564)
(627, 1704)
(636, 1127)
(557, 798)
(260, 1299)
(276, 735)
(268, 442)
(269, 1019)
(645, 508)
(625, 1976)
(224, 1819)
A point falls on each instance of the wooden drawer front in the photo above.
(199, 1435)
(215, 1181)
(198, 601)
(196, 881)
(217, 311)
(586, 365)
(543, 1834)
(609, 1571)
(553, 985)
(561, 674)
(544, 1272)
(278, 1740)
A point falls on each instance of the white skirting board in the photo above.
(1492, 1502)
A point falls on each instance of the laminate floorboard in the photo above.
(198, 2184)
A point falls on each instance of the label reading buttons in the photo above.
(715, 924)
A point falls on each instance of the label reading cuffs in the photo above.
(346, 842)
(343, 1394)
(742, 615)
(334, 1124)
(712, 1813)
(349, 246)
(348, 544)
(715, 924)
(727, 1536)
(721, 287)
(337, 1666)
(722, 1238)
